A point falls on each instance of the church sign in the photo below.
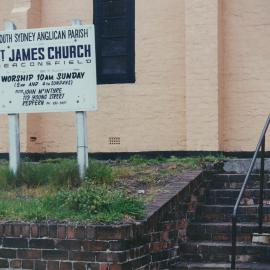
(48, 70)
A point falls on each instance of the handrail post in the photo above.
(261, 186)
(233, 252)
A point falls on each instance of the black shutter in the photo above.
(115, 40)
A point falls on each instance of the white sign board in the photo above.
(48, 70)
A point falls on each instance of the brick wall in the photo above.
(148, 244)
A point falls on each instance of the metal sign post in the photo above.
(13, 127)
(82, 143)
(82, 136)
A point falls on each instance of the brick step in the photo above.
(220, 266)
(229, 196)
(222, 231)
(221, 213)
(206, 251)
(231, 181)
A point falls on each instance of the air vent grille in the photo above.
(114, 140)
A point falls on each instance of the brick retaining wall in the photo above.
(148, 244)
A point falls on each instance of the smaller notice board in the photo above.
(48, 70)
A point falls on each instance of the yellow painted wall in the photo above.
(202, 78)
(202, 74)
(6, 7)
(246, 26)
(5, 11)
(147, 115)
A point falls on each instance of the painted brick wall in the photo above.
(6, 7)
(147, 115)
(201, 78)
(246, 27)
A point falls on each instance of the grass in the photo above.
(87, 203)
(99, 173)
(193, 162)
(52, 190)
(113, 191)
(154, 171)
(57, 173)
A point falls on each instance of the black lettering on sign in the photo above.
(33, 103)
(70, 75)
(27, 54)
(17, 78)
(64, 52)
(56, 96)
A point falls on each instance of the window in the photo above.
(115, 40)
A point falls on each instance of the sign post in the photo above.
(82, 135)
(48, 70)
(82, 142)
(13, 127)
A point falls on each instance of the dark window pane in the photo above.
(114, 46)
(114, 27)
(114, 65)
(115, 40)
(114, 8)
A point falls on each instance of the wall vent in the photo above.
(33, 139)
(114, 140)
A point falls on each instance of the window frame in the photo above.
(114, 78)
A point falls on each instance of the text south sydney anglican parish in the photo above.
(43, 35)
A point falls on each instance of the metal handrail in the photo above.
(260, 146)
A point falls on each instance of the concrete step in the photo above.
(223, 213)
(235, 181)
(220, 266)
(222, 231)
(209, 251)
(229, 196)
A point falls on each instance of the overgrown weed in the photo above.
(52, 189)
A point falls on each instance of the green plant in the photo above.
(89, 202)
(137, 160)
(213, 158)
(7, 178)
(34, 174)
(63, 172)
(94, 202)
(99, 173)
(123, 172)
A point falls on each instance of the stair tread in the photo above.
(230, 205)
(237, 174)
(217, 266)
(237, 189)
(251, 224)
(237, 177)
(224, 243)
